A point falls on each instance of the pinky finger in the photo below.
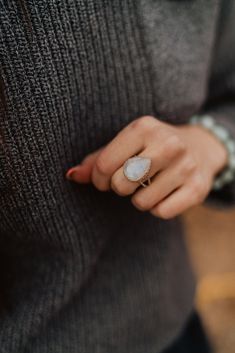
(176, 203)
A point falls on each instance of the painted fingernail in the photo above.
(71, 173)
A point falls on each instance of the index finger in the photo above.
(127, 143)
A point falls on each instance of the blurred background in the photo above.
(210, 236)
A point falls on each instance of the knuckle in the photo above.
(173, 140)
(149, 119)
(143, 123)
(177, 143)
(102, 165)
(158, 131)
(181, 147)
(98, 183)
(135, 124)
(172, 146)
(118, 186)
(189, 166)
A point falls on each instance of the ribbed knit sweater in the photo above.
(83, 271)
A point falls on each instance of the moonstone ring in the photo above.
(137, 169)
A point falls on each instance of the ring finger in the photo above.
(164, 183)
(159, 161)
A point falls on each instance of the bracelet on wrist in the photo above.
(227, 175)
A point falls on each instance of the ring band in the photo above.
(137, 169)
(143, 184)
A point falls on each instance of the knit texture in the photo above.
(83, 270)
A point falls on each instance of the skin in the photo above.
(185, 160)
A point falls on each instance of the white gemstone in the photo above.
(136, 168)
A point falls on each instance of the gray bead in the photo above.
(220, 132)
(193, 120)
(218, 183)
(232, 162)
(230, 145)
(228, 176)
(207, 121)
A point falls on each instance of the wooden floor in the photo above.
(211, 242)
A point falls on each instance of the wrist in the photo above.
(215, 149)
(224, 153)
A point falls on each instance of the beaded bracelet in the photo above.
(227, 175)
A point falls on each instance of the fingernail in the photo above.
(71, 173)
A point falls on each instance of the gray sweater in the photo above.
(83, 271)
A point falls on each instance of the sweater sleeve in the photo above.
(221, 91)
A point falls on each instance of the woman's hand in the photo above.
(185, 160)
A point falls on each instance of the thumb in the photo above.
(81, 173)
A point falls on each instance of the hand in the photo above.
(185, 160)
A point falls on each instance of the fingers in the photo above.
(179, 179)
(127, 143)
(175, 204)
(163, 184)
(185, 197)
(162, 154)
(98, 168)
(82, 173)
